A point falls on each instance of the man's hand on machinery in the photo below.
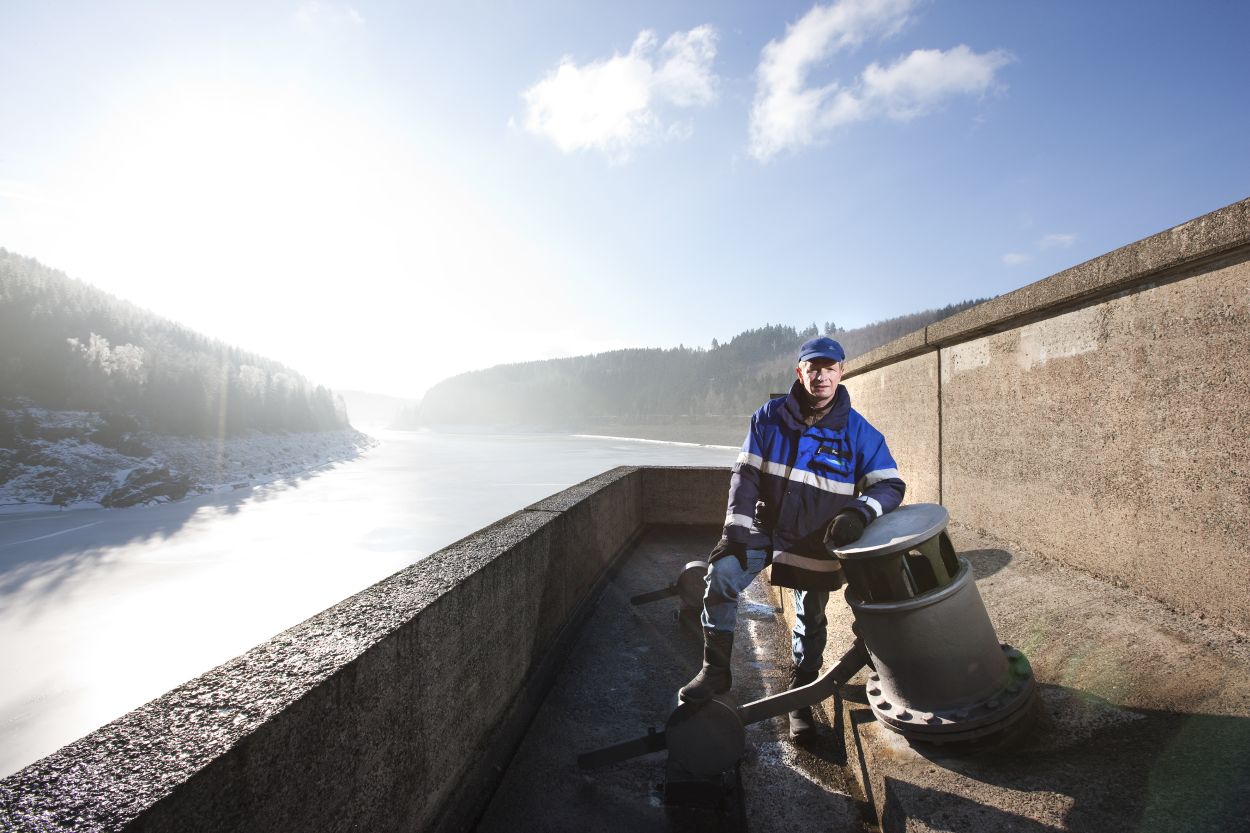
(845, 528)
(725, 547)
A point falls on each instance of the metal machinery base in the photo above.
(940, 674)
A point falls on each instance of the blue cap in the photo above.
(821, 348)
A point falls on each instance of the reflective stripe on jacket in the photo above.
(791, 479)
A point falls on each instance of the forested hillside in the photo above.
(645, 385)
(65, 345)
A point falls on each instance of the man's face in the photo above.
(820, 378)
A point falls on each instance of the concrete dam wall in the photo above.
(1097, 417)
(396, 709)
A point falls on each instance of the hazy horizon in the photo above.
(380, 196)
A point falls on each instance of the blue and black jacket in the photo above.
(791, 479)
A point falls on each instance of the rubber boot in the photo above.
(802, 723)
(714, 678)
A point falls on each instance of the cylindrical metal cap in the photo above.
(901, 530)
(902, 555)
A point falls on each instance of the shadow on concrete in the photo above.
(1121, 770)
(987, 562)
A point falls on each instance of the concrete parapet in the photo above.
(1182, 247)
(685, 495)
(1179, 252)
(912, 344)
(1095, 416)
(391, 710)
(902, 399)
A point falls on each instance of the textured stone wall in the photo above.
(685, 495)
(392, 710)
(901, 400)
(1114, 437)
(1097, 417)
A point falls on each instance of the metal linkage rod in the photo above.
(822, 688)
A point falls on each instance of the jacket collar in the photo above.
(792, 409)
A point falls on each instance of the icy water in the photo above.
(102, 610)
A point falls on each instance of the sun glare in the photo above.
(304, 231)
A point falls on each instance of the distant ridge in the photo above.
(65, 345)
(648, 386)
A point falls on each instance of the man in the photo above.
(812, 474)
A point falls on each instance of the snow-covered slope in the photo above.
(78, 458)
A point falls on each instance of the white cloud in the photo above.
(1053, 241)
(625, 101)
(914, 85)
(1016, 258)
(788, 114)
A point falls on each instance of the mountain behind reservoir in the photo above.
(66, 345)
(681, 393)
(102, 402)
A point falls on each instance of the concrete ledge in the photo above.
(1219, 234)
(1145, 723)
(1210, 236)
(912, 344)
(384, 712)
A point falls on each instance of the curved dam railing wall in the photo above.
(1098, 417)
(392, 710)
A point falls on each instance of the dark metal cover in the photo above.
(901, 530)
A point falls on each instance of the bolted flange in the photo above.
(967, 721)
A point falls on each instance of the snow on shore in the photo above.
(63, 464)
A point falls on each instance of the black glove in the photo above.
(724, 547)
(846, 527)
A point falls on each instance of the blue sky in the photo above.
(383, 194)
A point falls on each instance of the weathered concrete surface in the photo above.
(621, 677)
(1113, 437)
(912, 344)
(341, 723)
(1145, 722)
(1209, 236)
(901, 401)
(684, 495)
